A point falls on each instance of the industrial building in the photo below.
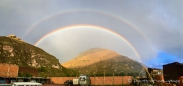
(12, 70)
(25, 70)
(172, 71)
(8, 70)
(155, 71)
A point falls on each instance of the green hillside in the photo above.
(15, 51)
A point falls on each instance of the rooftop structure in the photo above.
(172, 71)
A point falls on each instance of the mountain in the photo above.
(15, 51)
(97, 61)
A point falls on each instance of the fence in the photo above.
(107, 80)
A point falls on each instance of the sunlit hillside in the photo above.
(98, 61)
(15, 51)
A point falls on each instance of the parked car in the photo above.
(3, 81)
(68, 83)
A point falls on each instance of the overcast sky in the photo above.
(151, 29)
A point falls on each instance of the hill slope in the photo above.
(98, 61)
(89, 57)
(15, 51)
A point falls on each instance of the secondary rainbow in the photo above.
(92, 26)
(94, 11)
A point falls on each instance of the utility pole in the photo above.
(8, 74)
(113, 75)
(104, 75)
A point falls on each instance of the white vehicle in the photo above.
(26, 84)
(75, 81)
(84, 80)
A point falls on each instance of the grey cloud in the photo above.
(159, 21)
